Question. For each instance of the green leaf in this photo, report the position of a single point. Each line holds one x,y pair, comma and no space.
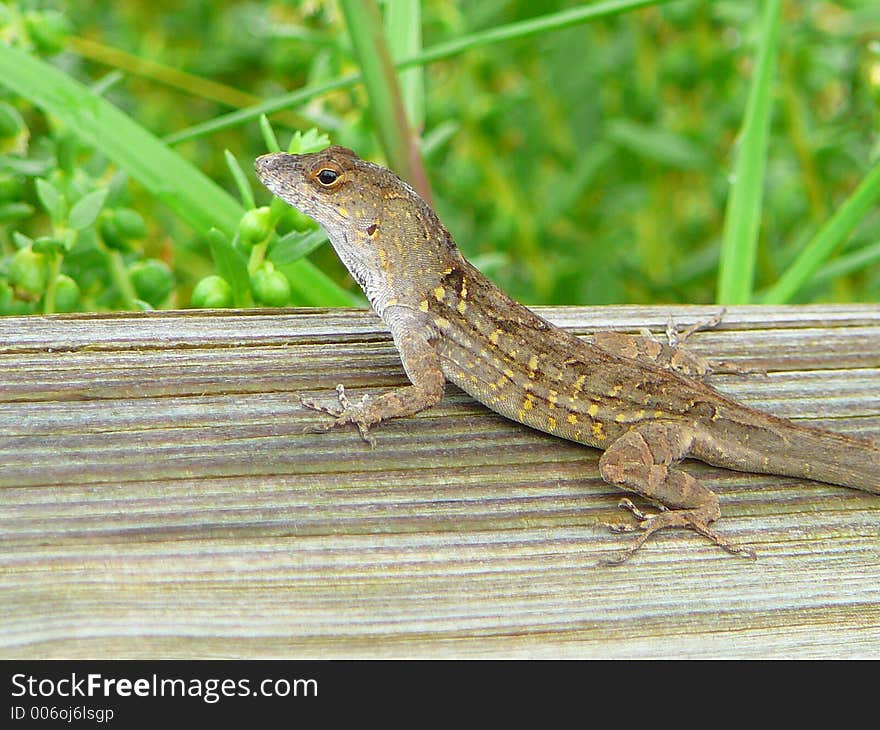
269,138
26,166
295,245
21,240
302,143
86,209
231,265
51,199
11,212
241,181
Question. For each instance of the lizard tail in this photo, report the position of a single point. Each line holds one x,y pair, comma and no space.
773,445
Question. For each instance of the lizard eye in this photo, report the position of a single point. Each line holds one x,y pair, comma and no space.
327,177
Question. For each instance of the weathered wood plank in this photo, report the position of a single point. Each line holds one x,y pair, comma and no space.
158,498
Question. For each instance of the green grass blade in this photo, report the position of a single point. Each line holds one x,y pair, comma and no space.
512,31
185,189
403,31
386,103
830,236
270,106
742,219
849,263
182,187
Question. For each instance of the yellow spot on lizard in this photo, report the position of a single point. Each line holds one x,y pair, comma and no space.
572,418
598,431
423,305
551,423
439,293
527,405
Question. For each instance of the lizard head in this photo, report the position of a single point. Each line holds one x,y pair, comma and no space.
337,188
375,221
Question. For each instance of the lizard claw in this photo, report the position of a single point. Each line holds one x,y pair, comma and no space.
648,524
346,412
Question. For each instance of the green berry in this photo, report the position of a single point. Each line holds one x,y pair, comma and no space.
270,287
28,273
255,226
109,231
153,280
212,292
129,223
48,30
66,294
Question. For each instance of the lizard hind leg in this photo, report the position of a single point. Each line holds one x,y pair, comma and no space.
644,461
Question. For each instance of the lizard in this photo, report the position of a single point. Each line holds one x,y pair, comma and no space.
449,322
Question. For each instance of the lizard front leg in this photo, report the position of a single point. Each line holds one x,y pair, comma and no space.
644,461
413,338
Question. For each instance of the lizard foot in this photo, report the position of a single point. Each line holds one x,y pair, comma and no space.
695,365
346,412
648,524
671,354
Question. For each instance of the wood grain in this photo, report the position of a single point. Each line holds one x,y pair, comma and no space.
159,499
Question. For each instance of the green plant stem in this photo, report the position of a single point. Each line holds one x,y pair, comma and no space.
172,77
521,29
120,277
742,219
51,284
258,254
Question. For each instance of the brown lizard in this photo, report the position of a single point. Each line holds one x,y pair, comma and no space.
449,322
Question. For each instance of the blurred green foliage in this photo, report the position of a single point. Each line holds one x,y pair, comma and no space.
585,165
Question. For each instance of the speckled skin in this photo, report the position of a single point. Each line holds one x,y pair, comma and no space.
449,322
